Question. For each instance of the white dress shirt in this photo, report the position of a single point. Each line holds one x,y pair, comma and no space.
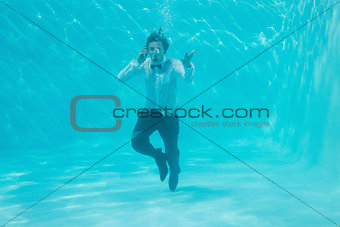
161,84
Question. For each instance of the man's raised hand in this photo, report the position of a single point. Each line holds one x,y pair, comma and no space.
187,59
142,55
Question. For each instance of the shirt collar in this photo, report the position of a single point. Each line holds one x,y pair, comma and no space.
162,62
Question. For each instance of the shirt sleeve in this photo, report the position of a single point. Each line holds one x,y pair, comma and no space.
187,74
131,70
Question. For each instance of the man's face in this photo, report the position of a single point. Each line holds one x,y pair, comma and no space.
156,52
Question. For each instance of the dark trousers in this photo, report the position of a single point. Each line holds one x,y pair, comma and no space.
168,129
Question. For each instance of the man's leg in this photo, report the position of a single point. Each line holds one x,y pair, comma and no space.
141,136
169,130
141,143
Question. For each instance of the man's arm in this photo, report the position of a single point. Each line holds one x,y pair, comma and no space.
185,67
135,67
131,70
186,73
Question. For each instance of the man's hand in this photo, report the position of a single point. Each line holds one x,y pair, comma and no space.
142,55
187,59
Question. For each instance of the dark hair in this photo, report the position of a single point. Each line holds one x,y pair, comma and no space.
158,37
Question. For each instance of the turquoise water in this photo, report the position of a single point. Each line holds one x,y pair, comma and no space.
297,80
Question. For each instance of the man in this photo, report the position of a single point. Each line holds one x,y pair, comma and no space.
161,74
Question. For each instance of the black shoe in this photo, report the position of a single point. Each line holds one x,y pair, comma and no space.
173,180
161,163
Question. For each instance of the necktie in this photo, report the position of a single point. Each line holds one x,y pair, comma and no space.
153,66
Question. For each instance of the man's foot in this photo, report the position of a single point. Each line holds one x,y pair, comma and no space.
173,180
161,163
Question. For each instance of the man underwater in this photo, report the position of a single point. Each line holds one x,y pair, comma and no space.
161,74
